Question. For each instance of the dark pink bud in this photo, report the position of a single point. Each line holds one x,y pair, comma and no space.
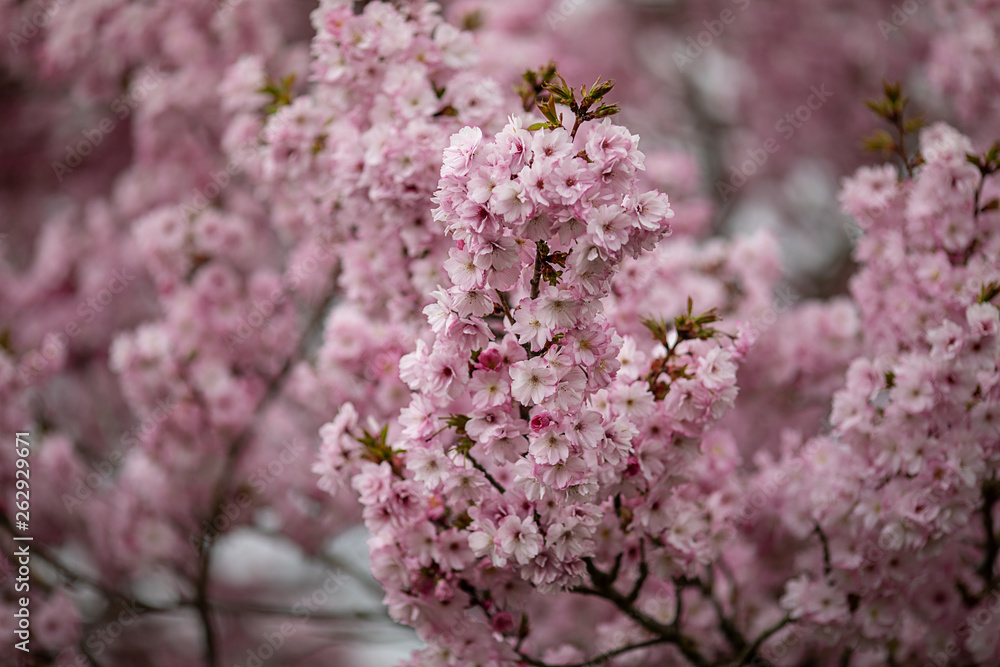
632,469
443,591
503,623
490,359
540,421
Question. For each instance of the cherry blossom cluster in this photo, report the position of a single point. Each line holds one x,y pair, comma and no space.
539,445
355,158
225,222
899,499
157,329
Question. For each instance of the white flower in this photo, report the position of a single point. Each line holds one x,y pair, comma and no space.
517,538
532,380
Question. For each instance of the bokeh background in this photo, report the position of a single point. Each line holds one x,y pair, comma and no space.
147,214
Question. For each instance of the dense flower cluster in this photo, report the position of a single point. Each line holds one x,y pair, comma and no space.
903,489
533,423
354,160
224,223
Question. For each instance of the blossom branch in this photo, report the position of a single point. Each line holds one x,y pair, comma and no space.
668,633
233,454
991,546
536,276
598,659
751,652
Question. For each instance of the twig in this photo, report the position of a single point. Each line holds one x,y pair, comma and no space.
536,277
598,659
668,633
826,548
504,306
478,466
633,595
991,547
751,651
236,448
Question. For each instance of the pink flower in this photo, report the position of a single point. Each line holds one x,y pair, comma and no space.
914,388
517,539
453,550
608,226
983,319
586,429
489,388
537,183
551,145
429,466
489,359
529,328
462,269
374,483
572,180
511,201
716,369
557,309
651,209
474,302
532,381
483,542
464,146
817,601
541,421
550,447
514,144
487,425
608,143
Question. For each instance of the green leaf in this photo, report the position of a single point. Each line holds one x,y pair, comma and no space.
457,422
658,327
606,110
989,292
880,141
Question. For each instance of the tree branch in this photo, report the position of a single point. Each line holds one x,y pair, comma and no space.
598,659
233,454
668,633
751,651
479,466
536,277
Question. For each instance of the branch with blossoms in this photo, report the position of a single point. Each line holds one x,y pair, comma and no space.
523,437
904,485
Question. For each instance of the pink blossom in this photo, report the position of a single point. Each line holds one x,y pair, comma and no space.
532,381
